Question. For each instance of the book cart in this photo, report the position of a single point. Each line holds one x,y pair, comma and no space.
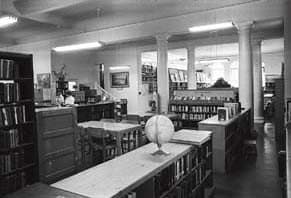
18,149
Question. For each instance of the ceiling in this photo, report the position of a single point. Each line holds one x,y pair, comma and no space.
50,18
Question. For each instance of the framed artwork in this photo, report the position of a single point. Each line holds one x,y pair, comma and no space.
119,79
181,75
44,80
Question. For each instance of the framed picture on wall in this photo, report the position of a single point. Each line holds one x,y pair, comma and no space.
119,79
44,80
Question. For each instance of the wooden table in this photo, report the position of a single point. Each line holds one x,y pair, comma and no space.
116,129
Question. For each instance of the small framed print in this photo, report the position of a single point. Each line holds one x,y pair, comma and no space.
119,79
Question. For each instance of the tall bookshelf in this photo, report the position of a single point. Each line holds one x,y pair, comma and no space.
18,149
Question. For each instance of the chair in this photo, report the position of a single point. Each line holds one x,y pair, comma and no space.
103,146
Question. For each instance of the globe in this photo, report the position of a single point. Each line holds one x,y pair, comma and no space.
159,129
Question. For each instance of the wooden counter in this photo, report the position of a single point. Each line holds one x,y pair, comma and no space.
117,177
56,142
228,137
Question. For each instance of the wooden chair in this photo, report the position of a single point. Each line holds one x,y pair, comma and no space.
103,147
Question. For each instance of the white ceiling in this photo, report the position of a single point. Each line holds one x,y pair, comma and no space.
47,18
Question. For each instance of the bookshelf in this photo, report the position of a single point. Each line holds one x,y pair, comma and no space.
193,106
149,76
228,138
182,172
18,149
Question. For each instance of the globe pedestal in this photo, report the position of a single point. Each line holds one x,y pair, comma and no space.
160,151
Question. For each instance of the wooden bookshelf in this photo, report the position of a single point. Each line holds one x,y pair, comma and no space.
18,148
228,137
140,174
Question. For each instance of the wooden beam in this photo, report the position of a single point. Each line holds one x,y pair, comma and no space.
31,7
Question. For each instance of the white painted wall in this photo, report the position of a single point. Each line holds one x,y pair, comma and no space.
80,65
122,57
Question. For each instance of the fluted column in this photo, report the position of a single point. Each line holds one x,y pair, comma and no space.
162,71
258,82
191,67
245,66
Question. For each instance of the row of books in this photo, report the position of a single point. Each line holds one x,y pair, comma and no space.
11,161
9,92
195,116
205,98
7,68
12,182
9,138
194,108
12,115
148,69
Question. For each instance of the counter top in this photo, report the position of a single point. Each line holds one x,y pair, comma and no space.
51,109
93,104
192,137
214,119
120,175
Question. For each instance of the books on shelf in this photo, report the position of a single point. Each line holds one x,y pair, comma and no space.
9,138
10,162
12,115
233,108
9,92
6,68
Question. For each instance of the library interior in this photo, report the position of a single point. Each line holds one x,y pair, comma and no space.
145,99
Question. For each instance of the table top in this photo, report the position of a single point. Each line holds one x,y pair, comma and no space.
214,119
193,137
110,126
122,174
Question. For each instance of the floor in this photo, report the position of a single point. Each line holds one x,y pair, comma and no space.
253,178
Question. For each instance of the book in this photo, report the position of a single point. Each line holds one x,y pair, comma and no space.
222,113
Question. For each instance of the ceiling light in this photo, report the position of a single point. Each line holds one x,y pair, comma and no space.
82,46
219,60
7,20
211,27
119,68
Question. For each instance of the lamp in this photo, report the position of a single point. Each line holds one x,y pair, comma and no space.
7,20
77,47
210,27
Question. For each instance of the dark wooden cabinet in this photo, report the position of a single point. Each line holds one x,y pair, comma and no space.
18,148
57,142
95,111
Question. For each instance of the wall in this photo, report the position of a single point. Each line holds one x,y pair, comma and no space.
80,65
273,62
122,56
41,55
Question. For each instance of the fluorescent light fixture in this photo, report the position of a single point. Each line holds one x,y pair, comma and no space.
82,46
211,27
219,60
7,20
119,68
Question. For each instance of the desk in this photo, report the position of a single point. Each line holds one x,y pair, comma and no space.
116,129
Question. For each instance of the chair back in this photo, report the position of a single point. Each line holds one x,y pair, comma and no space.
96,135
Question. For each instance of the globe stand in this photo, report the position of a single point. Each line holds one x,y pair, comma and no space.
160,151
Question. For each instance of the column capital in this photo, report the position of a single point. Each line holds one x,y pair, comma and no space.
190,48
162,37
244,25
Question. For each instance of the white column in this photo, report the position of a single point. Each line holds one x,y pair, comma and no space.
191,68
162,71
245,66
258,82
287,50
